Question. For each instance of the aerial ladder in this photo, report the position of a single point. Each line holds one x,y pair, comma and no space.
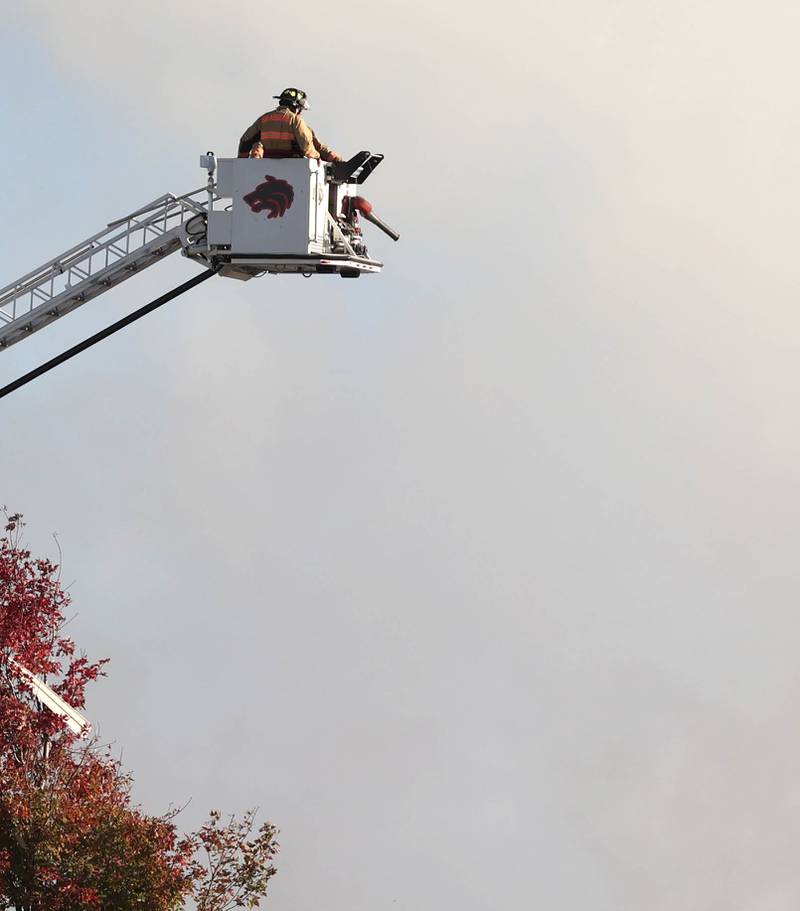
253,217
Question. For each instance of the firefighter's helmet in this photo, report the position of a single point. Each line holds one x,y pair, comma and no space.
296,99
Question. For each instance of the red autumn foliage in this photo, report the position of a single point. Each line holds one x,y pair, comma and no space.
71,838
32,605
233,868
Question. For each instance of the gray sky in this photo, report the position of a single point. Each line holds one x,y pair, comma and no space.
478,577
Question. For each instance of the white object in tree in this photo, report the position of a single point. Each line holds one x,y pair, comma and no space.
75,721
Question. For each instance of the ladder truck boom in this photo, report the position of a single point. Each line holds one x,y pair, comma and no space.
123,248
253,217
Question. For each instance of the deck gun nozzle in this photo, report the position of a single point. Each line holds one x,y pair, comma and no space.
364,207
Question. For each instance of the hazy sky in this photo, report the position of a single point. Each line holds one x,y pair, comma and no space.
480,577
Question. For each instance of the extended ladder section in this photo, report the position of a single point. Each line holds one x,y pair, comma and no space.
106,259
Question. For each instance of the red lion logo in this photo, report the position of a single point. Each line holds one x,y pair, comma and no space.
274,195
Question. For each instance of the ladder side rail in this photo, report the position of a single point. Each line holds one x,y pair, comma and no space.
51,265
94,285
81,260
81,249
60,262
156,204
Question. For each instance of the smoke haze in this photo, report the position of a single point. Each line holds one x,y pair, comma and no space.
480,576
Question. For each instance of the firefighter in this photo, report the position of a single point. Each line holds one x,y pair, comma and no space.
284,134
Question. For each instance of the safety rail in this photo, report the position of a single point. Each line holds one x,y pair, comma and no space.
123,248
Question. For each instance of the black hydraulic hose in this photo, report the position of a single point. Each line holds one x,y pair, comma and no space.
104,333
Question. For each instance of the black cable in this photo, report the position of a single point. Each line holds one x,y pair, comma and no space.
104,333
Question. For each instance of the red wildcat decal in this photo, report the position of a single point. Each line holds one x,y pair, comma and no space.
274,196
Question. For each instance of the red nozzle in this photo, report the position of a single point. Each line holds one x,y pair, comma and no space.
364,207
